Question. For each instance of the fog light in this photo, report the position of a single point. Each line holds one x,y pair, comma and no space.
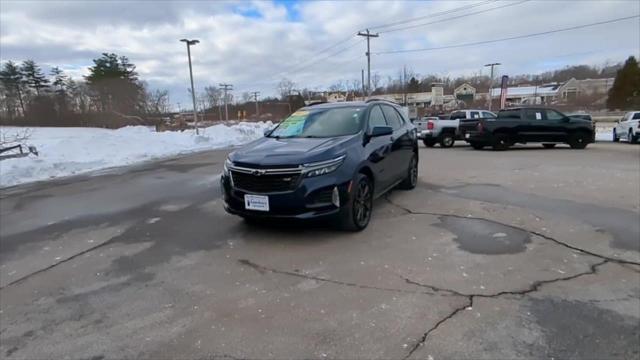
335,197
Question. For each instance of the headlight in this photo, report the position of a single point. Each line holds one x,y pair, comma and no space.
227,165
323,167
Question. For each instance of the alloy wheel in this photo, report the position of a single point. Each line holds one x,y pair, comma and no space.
362,204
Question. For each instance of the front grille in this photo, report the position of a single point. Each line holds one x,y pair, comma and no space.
264,183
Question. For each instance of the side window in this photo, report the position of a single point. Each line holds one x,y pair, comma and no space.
376,118
554,115
533,115
487,114
636,116
457,115
475,114
392,116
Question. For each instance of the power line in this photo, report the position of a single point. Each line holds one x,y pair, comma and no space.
455,17
400,22
508,38
305,66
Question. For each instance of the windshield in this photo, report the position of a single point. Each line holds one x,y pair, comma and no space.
320,123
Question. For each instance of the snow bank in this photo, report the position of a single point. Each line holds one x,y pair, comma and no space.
604,135
70,151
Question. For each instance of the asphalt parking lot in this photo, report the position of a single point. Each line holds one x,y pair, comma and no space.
527,253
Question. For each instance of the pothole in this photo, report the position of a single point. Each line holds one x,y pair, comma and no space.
485,237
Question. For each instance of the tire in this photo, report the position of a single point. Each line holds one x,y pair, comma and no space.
500,142
477,146
429,143
615,136
549,146
411,180
447,140
631,139
356,215
578,140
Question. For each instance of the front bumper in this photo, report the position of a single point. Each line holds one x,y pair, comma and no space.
299,203
477,137
426,134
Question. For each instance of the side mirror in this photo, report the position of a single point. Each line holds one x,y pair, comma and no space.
381,131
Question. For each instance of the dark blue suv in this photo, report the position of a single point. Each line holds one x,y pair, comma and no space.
324,160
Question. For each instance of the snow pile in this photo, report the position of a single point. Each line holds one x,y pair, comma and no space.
604,135
69,151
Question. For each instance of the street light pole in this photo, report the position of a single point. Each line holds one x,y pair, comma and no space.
491,82
193,92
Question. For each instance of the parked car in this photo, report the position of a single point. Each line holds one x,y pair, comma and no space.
445,130
327,160
628,128
527,125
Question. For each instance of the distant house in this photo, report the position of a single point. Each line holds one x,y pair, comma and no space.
337,96
554,92
465,92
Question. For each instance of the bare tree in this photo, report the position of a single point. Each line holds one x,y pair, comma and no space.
213,96
157,101
338,86
375,82
246,97
15,136
285,87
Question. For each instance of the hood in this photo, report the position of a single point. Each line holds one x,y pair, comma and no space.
291,151
580,120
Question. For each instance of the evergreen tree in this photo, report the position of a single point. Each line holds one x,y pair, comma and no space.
13,82
625,92
59,78
34,76
114,82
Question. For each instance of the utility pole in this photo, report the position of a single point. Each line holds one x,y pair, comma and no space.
404,84
363,91
491,82
193,92
368,36
225,88
255,98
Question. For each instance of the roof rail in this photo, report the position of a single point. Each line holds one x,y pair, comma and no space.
317,103
377,99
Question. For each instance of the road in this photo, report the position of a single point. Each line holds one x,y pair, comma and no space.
525,253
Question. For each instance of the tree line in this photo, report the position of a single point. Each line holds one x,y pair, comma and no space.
111,93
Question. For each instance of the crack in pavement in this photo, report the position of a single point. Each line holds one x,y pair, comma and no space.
264,269
535,286
544,236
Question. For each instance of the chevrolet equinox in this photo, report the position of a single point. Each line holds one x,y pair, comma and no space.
325,160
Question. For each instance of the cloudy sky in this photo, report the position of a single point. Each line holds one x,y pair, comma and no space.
255,44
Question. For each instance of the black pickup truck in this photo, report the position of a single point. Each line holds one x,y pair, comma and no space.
527,125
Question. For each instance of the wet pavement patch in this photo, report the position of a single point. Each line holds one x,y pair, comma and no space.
580,330
622,225
485,237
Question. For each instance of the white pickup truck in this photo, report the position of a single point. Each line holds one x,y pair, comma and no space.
628,128
432,130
